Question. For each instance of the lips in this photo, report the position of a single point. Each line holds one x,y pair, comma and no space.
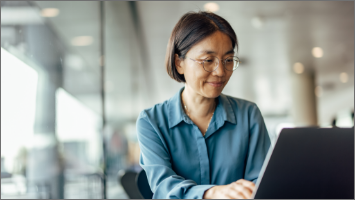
216,84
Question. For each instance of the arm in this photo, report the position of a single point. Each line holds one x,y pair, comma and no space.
259,143
155,160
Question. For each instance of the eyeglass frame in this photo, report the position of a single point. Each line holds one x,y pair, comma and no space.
223,63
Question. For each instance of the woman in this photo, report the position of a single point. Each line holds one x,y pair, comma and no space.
201,143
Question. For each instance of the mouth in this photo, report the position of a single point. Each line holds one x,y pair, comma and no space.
216,84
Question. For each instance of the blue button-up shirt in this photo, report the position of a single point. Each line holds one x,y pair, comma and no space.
182,163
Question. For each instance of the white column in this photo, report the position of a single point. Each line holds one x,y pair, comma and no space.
304,107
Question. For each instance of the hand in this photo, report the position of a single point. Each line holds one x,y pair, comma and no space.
241,189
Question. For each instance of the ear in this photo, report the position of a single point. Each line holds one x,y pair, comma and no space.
178,63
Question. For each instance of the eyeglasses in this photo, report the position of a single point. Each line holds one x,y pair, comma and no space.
210,64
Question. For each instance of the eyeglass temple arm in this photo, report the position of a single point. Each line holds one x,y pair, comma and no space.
224,61
197,61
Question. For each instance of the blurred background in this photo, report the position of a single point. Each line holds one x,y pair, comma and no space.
75,75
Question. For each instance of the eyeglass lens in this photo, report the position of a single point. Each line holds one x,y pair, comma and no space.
211,63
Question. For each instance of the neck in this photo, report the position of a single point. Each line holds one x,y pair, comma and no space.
197,105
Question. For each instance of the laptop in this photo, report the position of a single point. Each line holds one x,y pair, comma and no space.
310,163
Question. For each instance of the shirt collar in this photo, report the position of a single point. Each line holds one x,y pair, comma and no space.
224,110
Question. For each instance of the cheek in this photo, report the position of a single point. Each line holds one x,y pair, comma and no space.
196,77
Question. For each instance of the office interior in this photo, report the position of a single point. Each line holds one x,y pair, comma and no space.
76,74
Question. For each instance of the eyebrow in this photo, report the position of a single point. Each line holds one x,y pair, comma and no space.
212,52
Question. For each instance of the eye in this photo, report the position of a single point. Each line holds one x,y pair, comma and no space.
208,60
229,60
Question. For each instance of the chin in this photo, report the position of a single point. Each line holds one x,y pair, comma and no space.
215,93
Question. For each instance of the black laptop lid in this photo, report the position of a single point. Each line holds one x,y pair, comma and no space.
309,163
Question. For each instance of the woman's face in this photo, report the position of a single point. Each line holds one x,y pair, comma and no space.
207,84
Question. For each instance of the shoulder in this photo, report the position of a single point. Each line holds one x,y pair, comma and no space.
246,111
155,116
240,104
152,123
158,110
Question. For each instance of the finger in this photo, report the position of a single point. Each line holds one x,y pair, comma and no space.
247,184
225,197
233,191
229,194
233,194
245,191
241,184
239,188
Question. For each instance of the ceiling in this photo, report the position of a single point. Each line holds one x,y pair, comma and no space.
290,30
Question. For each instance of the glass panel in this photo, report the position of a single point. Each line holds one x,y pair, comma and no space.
123,62
51,100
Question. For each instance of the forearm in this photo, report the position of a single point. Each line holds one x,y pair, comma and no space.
208,194
173,188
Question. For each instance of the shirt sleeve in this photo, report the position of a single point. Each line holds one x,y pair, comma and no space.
259,144
155,160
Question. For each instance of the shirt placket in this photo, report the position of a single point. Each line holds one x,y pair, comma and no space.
203,156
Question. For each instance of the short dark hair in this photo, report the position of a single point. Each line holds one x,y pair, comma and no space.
190,29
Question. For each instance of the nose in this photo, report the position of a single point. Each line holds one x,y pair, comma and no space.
220,71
